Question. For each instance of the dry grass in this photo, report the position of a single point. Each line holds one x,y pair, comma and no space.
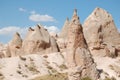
86,78
57,76
63,66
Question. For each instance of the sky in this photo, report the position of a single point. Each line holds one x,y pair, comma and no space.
19,15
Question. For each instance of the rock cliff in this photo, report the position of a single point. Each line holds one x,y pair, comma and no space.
38,40
101,33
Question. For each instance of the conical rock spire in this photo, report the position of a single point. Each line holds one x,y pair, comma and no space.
100,32
64,31
79,59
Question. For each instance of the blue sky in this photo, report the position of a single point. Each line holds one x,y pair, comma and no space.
18,15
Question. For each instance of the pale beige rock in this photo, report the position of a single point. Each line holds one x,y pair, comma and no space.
15,45
100,31
1,51
62,37
62,44
4,51
54,46
28,67
78,54
54,35
64,31
38,40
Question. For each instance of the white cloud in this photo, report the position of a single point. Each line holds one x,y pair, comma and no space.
38,17
52,29
11,30
22,10
32,12
7,33
41,18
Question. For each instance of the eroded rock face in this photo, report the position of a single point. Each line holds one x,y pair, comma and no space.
64,31
15,45
78,55
62,37
38,40
100,32
1,50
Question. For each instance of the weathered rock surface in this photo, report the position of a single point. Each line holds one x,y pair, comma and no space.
4,51
15,45
62,37
78,55
31,66
62,44
1,50
74,58
64,31
109,67
101,33
38,40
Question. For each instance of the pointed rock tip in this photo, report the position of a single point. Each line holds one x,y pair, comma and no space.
67,19
30,29
100,10
17,34
37,27
75,12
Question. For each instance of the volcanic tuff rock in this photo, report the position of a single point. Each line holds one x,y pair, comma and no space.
101,33
62,37
64,31
15,45
74,58
4,51
79,58
38,40
28,67
1,50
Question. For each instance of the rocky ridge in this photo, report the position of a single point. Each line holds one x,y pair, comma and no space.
75,54
105,38
39,41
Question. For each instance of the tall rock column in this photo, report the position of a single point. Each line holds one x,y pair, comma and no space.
79,59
